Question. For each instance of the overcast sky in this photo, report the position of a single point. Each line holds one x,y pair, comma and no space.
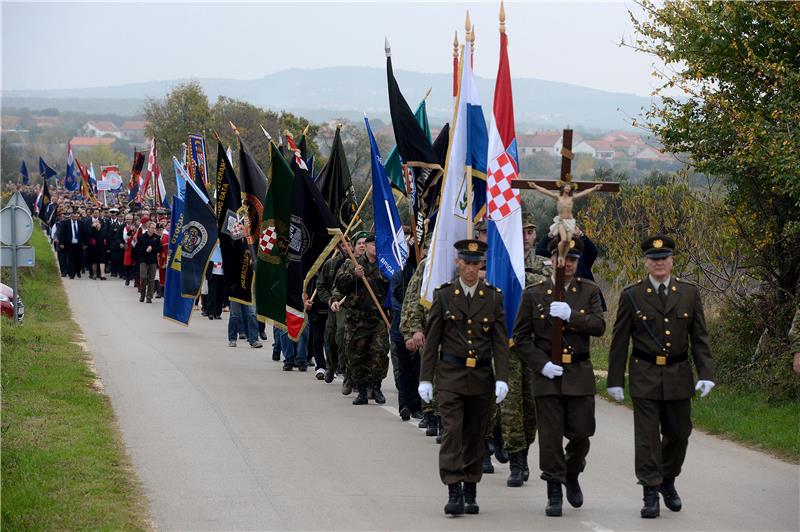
74,45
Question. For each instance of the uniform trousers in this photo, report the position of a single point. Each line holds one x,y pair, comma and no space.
661,431
559,417
465,419
367,344
316,338
518,411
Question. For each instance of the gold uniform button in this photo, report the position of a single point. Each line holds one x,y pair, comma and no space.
457,291
666,320
541,316
583,311
669,344
574,289
469,342
649,291
549,291
566,350
485,319
480,292
469,331
471,352
674,289
685,314
469,321
667,333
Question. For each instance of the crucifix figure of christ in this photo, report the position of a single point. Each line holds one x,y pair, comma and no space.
564,225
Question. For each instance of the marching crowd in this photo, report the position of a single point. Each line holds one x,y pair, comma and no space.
482,391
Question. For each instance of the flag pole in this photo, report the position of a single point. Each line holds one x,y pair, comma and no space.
355,216
411,212
470,37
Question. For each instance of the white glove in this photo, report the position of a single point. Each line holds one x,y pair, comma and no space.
551,371
617,393
425,391
559,309
500,391
704,387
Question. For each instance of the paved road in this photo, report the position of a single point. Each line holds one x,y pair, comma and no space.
223,439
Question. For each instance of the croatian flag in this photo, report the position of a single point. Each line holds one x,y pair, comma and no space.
506,260
468,132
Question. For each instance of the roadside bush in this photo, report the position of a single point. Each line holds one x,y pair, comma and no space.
749,344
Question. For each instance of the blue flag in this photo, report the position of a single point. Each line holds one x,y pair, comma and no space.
176,308
23,169
180,178
45,171
390,241
70,183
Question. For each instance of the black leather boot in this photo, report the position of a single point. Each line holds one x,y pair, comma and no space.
515,477
671,498
425,421
499,446
433,426
361,398
470,498
526,472
651,508
347,386
574,493
488,466
377,394
329,375
554,499
455,500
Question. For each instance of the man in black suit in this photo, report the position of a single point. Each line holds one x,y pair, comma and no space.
116,244
71,240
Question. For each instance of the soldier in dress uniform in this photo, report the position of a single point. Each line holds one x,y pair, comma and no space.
518,414
663,316
564,392
465,333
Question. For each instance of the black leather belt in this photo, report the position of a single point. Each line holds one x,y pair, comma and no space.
469,362
660,360
568,358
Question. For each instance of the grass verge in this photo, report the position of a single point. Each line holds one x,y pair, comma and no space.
63,464
744,417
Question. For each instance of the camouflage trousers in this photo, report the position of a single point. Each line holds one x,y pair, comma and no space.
518,411
335,354
367,346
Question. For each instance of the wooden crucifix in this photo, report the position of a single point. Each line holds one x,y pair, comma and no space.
564,225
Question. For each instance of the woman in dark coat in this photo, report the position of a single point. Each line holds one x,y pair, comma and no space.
96,248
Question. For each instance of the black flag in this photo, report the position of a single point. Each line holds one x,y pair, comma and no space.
237,266
336,185
199,239
254,190
312,231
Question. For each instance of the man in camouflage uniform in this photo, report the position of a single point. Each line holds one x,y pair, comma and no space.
334,328
518,413
413,317
340,318
366,337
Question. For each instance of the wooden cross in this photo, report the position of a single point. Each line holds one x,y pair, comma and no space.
559,355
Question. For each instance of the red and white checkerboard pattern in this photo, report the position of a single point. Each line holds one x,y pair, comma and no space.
268,239
502,200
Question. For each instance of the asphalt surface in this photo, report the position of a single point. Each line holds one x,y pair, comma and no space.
222,439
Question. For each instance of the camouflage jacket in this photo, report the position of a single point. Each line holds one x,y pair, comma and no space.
358,298
536,269
327,276
414,315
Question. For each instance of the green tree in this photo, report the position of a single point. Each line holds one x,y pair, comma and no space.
184,110
739,64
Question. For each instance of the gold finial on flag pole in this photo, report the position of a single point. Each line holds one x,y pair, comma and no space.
305,130
427,93
502,17
467,25
269,138
455,46
236,131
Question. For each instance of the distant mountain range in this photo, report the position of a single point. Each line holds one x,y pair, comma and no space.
347,92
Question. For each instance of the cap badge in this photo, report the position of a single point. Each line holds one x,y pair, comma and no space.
571,244
658,243
473,246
